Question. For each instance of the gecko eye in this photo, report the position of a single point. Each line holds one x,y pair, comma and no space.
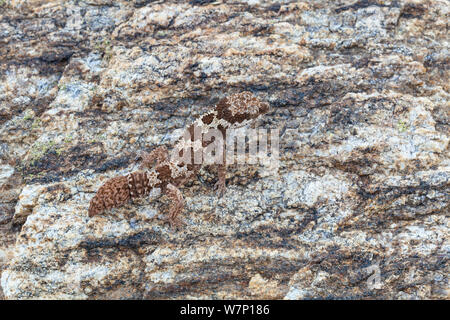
264,108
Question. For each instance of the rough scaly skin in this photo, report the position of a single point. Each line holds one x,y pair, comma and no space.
170,173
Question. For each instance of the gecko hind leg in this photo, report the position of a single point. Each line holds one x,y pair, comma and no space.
159,154
177,205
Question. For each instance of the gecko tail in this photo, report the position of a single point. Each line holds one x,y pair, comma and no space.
119,190
113,193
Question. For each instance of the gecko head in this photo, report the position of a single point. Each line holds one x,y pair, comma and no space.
241,108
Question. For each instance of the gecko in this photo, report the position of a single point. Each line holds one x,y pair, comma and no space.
164,174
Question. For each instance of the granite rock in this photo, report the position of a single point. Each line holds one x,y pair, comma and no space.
358,207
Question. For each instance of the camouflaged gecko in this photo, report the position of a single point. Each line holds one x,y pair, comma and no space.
168,175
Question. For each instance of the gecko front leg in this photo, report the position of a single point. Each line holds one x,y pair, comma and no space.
160,154
220,184
177,205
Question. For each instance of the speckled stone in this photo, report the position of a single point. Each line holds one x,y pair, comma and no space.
358,207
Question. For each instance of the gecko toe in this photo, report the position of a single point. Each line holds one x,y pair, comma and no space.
220,188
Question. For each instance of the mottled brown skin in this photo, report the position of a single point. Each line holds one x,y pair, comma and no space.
239,112
115,192
168,175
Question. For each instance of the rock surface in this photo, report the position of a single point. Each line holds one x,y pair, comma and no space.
359,207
